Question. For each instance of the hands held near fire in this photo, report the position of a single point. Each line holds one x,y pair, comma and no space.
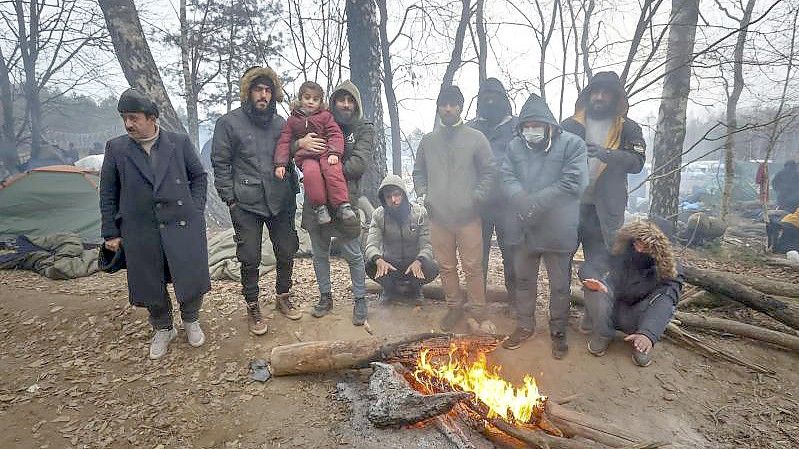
114,244
640,342
383,268
595,285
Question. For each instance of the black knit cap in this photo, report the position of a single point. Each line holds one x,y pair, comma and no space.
450,95
133,100
606,80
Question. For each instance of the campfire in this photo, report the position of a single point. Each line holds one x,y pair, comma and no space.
446,381
500,398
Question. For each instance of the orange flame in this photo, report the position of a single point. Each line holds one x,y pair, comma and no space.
500,396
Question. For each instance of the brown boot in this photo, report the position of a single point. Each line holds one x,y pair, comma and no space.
285,305
255,322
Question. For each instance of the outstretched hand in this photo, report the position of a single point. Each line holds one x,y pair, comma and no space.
415,268
595,285
114,244
640,342
383,268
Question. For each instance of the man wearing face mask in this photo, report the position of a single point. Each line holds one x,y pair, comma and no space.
616,148
496,122
544,174
454,172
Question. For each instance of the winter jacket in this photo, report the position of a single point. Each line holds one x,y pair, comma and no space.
299,125
242,153
625,154
390,240
786,184
359,141
158,210
545,184
455,171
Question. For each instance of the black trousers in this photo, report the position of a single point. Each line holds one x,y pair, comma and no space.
589,234
507,250
161,313
397,282
249,227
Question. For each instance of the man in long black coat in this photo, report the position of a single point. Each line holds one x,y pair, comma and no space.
152,198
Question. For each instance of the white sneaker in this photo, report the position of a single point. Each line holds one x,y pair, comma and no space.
160,342
194,333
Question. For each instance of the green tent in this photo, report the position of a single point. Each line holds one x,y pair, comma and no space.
50,200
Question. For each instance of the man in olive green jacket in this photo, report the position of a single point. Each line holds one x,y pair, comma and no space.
454,173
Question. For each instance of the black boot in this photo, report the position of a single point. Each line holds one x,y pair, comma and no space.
324,305
559,346
359,310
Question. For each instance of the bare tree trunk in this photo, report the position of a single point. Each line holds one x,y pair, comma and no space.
8,148
365,61
188,78
29,51
456,60
670,133
135,58
482,43
391,96
732,110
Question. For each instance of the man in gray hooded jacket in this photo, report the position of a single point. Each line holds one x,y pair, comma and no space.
544,173
399,255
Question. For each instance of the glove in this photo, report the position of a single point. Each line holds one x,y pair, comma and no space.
530,216
596,151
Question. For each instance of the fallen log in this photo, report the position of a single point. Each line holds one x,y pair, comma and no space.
395,403
737,328
725,285
324,356
771,286
677,335
578,424
540,439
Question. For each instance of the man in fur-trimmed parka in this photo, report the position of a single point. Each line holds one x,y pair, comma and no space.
639,293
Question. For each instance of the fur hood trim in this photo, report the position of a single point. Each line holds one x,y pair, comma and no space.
256,72
659,246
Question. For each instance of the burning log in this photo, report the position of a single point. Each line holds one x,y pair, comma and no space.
396,403
726,286
324,356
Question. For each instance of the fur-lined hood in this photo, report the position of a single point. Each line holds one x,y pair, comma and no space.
659,246
255,72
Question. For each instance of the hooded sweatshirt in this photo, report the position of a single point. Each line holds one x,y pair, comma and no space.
498,133
546,183
395,240
359,141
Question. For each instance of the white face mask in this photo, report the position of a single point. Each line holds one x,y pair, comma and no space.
534,135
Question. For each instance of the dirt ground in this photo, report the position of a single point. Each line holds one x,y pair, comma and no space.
75,373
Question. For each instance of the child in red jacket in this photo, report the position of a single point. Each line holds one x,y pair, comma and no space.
323,175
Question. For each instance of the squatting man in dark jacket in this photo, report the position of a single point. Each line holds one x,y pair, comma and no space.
398,250
544,173
152,198
637,295
242,152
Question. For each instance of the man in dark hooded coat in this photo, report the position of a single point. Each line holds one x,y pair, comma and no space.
544,174
152,200
616,148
